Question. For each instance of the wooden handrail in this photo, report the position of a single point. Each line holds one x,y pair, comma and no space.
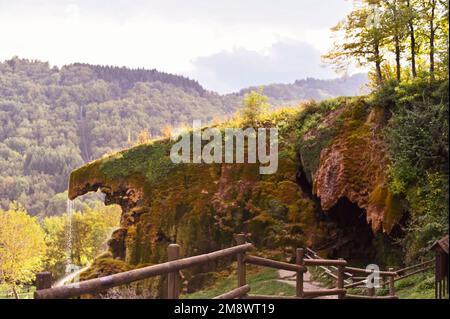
355,284
365,271
369,297
272,297
235,293
325,262
400,271
418,271
259,261
100,284
174,265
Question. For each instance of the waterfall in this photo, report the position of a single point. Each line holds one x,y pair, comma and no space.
72,271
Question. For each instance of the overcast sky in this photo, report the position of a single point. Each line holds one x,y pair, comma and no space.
224,44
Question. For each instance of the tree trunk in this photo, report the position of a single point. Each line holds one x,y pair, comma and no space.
16,295
413,50
413,44
378,64
432,35
397,58
397,41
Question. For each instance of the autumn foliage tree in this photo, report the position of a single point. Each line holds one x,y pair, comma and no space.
255,104
22,247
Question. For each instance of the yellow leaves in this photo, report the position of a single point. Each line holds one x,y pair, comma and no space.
89,229
255,105
143,137
22,246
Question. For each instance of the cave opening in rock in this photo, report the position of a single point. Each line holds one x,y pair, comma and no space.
302,180
353,236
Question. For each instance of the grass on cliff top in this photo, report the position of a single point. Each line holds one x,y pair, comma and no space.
261,281
151,160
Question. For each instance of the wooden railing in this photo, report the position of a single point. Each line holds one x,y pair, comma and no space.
358,277
384,276
170,268
174,265
329,271
353,281
415,269
345,277
300,267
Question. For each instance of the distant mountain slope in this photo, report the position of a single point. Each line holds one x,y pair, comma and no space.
126,78
314,89
55,119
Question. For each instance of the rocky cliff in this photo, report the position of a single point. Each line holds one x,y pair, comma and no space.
329,191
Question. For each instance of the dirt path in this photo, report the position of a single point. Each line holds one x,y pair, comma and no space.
288,277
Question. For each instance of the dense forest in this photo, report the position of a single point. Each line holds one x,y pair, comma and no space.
54,120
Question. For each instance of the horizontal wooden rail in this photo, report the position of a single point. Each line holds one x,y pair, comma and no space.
259,261
323,292
271,297
359,278
369,297
418,271
355,284
325,262
100,284
328,272
365,271
235,293
401,271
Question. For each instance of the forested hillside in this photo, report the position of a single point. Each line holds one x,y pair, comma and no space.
55,119
314,89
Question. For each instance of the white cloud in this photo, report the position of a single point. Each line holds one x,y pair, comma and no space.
285,61
170,35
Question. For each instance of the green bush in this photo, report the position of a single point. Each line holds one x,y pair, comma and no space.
417,136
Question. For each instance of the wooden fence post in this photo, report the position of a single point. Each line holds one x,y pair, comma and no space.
340,280
173,289
299,255
391,284
241,272
43,281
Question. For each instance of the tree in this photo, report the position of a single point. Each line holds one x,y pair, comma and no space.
255,103
56,240
411,14
22,247
88,231
430,11
363,39
395,19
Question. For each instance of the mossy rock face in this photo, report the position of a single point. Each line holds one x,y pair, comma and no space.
336,145
345,156
200,206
